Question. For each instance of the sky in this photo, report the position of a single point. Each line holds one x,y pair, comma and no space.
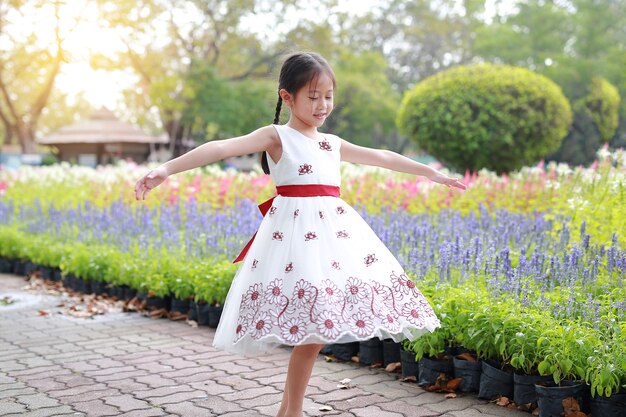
103,88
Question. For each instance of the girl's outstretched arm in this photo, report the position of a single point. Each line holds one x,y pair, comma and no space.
260,140
394,161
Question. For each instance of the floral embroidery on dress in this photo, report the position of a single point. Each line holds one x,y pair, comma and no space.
274,292
325,145
272,210
296,212
310,236
254,263
340,210
370,259
335,265
289,267
363,307
277,235
342,234
321,215
305,169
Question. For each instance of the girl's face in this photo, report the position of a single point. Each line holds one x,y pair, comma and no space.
313,103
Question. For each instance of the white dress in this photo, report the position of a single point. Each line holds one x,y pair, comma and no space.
316,272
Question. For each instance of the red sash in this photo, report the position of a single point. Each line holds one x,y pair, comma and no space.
296,190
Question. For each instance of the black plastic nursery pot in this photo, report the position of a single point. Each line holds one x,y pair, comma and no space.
203,314
6,266
370,351
613,406
524,387
430,368
129,293
46,272
410,367
56,275
68,280
344,351
98,287
193,311
550,397
141,295
30,267
391,351
84,286
215,313
19,267
180,306
469,372
155,303
495,382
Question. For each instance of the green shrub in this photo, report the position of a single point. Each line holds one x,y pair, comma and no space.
486,116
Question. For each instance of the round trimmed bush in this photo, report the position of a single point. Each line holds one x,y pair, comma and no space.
497,117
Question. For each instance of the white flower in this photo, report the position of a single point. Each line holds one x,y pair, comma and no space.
303,293
355,290
273,292
361,324
261,326
254,296
329,293
328,324
293,330
413,314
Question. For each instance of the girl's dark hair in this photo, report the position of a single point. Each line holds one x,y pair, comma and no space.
297,70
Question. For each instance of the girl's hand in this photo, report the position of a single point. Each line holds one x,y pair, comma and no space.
150,181
447,181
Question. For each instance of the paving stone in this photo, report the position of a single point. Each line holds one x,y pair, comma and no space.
155,381
187,409
249,393
44,412
9,406
8,392
38,400
96,408
374,411
218,405
125,402
163,391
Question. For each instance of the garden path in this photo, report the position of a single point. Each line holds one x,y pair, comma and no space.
127,364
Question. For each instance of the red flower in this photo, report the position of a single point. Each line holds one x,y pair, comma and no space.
325,146
305,169
343,234
370,259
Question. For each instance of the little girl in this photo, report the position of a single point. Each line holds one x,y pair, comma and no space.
315,272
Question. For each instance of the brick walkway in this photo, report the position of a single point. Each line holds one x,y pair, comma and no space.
126,364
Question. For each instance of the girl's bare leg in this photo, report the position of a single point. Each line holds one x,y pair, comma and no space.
300,368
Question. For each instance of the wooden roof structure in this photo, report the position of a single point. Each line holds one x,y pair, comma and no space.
101,127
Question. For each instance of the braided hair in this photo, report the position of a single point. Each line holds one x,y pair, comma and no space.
297,70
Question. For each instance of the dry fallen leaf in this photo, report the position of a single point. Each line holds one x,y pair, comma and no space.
355,359
503,401
43,312
412,378
450,395
326,408
192,323
466,357
376,364
394,367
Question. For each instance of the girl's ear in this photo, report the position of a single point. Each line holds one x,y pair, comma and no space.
287,98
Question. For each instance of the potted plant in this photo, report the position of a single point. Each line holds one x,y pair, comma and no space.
564,350
606,373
